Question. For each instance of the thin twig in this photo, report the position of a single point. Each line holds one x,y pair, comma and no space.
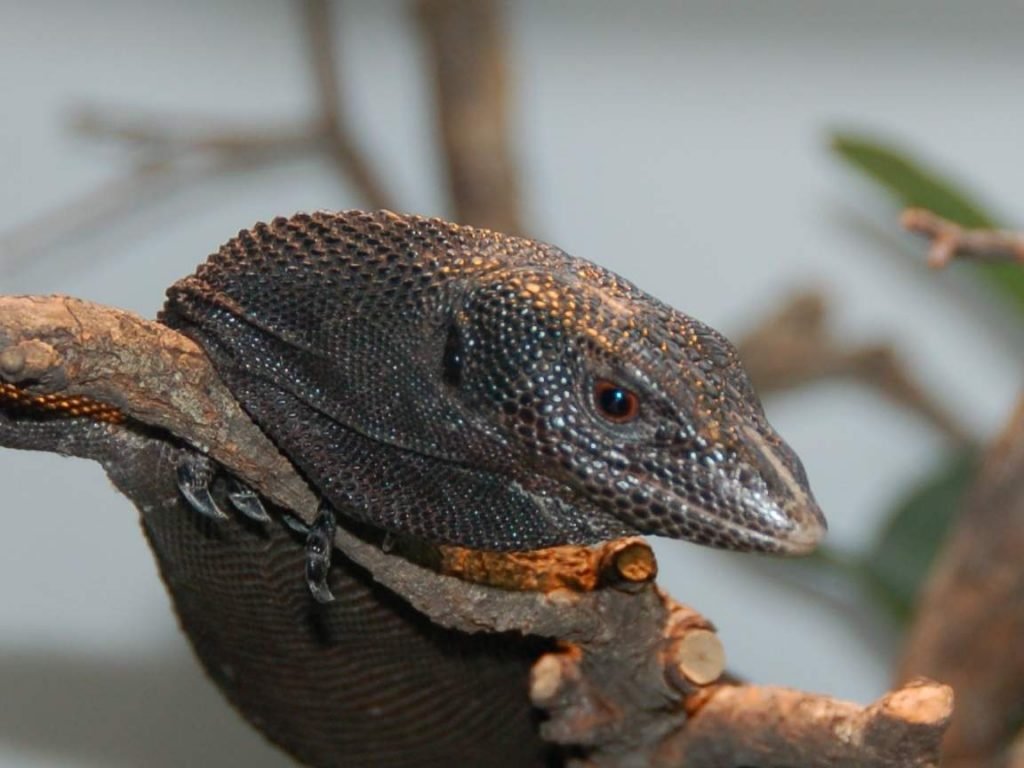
173,152
161,133
794,347
347,155
950,240
158,171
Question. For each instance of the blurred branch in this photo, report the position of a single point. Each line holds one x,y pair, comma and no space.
466,49
969,629
162,135
794,347
950,240
913,183
632,682
167,161
173,152
348,157
466,46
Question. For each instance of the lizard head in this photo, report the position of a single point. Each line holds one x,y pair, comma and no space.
629,406
490,391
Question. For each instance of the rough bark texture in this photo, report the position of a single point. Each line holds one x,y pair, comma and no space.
969,630
411,666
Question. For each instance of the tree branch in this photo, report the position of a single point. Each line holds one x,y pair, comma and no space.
950,240
970,621
750,725
794,346
633,681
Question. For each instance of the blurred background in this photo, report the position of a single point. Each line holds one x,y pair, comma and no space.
710,152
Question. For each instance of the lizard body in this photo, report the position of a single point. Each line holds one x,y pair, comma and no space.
491,392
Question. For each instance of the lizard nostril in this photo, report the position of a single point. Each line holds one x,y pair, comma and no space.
803,524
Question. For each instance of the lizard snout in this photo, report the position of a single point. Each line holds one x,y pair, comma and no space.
791,514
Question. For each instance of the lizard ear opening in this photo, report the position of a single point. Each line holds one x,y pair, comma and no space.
452,360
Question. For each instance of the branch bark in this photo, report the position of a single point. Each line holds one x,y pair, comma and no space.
970,622
632,680
950,240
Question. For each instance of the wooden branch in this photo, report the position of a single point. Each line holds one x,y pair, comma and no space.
794,347
950,240
632,682
466,48
60,345
748,725
969,628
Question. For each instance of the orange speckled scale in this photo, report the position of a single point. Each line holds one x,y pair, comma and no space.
14,397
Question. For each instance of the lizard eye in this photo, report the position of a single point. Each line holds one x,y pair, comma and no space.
614,402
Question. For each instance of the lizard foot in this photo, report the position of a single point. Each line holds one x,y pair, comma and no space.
319,545
246,500
195,475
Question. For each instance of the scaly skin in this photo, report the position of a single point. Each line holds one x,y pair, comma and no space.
444,382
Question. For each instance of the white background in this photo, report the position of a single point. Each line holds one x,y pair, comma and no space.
681,144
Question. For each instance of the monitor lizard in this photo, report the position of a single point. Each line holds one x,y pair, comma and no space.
440,382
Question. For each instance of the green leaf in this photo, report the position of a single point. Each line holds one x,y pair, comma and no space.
898,563
911,183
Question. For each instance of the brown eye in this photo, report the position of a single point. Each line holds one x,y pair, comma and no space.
615,403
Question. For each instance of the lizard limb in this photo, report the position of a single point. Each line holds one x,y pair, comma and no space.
319,546
195,473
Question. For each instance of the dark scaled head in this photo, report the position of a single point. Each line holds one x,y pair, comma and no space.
490,391
641,410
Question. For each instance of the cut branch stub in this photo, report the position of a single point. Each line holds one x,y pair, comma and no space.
697,656
629,561
577,568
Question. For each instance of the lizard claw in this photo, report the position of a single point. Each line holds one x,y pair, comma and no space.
296,524
195,473
319,546
246,501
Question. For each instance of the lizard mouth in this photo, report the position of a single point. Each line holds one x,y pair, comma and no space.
738,520
759,525
758,501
